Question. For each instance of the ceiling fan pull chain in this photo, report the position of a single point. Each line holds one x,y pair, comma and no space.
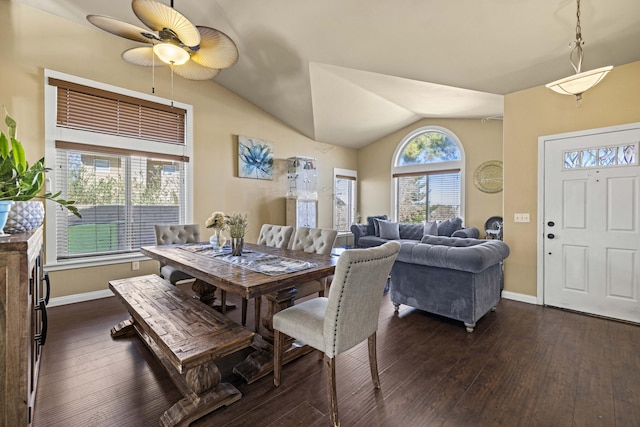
171,66
153,72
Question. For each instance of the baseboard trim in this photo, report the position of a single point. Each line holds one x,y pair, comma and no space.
529,299
71,299
88,296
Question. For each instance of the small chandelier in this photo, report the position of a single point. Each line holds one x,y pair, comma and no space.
581,81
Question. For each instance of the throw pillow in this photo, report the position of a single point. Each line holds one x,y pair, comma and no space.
371,227
431,228
389,230
443,228
456,224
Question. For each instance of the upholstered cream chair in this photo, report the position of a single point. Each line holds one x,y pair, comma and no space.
275,236
173,234
317,241
347,317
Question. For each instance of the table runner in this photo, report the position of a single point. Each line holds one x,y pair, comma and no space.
271,265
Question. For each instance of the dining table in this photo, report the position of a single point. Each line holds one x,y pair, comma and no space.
261,271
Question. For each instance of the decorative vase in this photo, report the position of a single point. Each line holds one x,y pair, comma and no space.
5,207
218,240
24,216
236,246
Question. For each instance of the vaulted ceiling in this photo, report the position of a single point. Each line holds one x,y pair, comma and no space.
348,72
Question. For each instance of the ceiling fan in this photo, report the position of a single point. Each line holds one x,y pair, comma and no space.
193,52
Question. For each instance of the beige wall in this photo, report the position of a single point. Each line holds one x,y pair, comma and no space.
536,112
32,41
482,141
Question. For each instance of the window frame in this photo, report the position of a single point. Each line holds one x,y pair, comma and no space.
337,172
55,133
427,167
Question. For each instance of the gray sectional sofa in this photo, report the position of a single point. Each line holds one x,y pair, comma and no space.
368,235
443,269
458,278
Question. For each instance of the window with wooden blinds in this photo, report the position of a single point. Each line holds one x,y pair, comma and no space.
125,158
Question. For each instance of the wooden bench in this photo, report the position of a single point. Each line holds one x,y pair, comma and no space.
187,337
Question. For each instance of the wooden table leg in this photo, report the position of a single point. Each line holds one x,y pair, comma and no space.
206,292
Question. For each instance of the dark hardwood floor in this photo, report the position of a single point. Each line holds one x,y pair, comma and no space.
524,365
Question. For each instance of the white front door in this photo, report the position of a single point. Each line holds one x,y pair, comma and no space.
591,222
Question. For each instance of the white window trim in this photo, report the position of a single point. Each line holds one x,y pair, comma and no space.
349,173
53,133
427,167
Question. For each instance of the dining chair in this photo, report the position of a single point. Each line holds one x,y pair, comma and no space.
347,317
317,241
173,234
274,236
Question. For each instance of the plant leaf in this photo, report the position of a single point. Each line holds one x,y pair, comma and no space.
11,124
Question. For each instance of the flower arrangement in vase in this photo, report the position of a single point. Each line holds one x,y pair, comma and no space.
237,224
217,222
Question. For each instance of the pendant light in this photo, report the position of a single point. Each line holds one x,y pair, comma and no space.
580,82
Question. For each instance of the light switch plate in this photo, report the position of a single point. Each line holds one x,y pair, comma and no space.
521,217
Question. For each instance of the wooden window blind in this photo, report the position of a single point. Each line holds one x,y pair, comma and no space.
96,110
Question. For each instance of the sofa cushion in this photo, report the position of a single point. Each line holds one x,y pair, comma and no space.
430,228
471,255
448,227
371,226
388,229
456,224
470,232
411,231
444,227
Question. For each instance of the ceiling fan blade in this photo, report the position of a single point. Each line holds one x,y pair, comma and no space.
159,17
122,29
193,71
141,56
217,50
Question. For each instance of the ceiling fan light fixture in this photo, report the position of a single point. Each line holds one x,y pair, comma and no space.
170,53
193,52
580,82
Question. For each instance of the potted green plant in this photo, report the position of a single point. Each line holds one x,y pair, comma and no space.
20,181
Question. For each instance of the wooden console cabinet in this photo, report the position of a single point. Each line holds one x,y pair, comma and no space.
23,324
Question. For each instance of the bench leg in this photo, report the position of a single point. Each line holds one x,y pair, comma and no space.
204,394
123,329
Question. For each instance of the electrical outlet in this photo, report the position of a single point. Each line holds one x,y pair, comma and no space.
521,217
135,265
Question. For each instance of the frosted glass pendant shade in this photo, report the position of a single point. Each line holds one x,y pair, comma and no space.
579,83
170,53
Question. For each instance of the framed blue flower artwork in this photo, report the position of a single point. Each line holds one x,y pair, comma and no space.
255,158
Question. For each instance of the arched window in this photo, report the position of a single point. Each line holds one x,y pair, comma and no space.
427,173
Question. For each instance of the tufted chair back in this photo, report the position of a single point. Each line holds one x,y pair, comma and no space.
170,235
275,236
314,240
177,233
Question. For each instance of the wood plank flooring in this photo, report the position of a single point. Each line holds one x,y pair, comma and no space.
524,365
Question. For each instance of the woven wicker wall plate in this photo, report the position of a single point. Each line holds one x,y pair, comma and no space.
488,177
